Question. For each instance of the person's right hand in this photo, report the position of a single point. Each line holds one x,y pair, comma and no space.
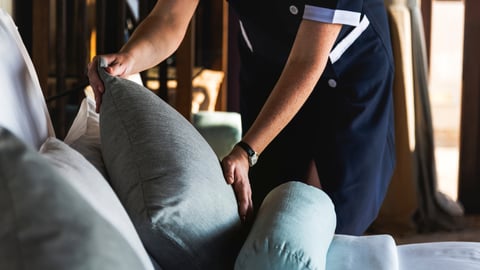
235,170
118,64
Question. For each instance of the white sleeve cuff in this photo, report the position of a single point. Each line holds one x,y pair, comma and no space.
331,15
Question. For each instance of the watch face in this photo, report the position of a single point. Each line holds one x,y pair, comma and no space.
253,159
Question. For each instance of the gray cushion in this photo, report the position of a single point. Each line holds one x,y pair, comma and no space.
168,178
46,224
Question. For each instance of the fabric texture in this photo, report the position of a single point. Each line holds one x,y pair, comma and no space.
94,188
371,252
84,134
293,230
345,126
424,207
439,256
22,107
168,178
436,210
47,222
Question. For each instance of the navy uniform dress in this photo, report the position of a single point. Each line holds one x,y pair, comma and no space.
346,125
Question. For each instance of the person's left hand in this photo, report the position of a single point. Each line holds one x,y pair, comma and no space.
235,170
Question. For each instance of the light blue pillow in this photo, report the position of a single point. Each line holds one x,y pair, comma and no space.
293,230
168,178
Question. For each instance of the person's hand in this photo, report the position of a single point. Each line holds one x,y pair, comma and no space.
235,169
118,64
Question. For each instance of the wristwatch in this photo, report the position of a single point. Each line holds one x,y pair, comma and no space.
252,155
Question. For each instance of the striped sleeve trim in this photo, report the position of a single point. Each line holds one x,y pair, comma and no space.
331,15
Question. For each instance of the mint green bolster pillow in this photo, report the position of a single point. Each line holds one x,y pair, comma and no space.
293,230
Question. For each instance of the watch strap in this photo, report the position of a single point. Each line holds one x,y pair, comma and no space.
247,148
252,155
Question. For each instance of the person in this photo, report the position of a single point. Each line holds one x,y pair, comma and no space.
316,97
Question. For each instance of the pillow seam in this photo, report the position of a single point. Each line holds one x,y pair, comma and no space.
113,97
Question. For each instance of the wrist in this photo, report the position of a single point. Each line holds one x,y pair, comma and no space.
252,155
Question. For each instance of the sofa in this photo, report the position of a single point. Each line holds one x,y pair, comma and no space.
138,186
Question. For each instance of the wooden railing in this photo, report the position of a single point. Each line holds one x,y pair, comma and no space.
62,51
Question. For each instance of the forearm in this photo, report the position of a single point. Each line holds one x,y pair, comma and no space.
304,67
159,34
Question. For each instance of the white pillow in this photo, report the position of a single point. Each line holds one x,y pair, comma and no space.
84,134
94,189
370,252
450,255
22,106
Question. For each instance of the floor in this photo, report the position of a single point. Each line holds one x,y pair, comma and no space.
471,232
445,96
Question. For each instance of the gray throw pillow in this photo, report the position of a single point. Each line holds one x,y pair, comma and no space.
168,178
46,224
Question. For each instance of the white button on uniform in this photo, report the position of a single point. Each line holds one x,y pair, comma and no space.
293,10
332,83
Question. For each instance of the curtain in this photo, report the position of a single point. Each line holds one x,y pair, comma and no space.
413,200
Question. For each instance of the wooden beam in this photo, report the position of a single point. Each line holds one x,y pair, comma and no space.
232,80
222,100
469,167
61,66
115,25
40,44
426,7
100,21
82,52
185,57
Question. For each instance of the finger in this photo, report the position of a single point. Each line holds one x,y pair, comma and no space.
243,194
116,65
228,170
250,208
98,103
95,82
